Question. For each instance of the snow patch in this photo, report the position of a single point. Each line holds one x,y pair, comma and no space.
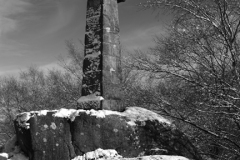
112,70
134,114
99,154
5,155
108,29
67,113
102,113
141,115
109,112
42,112
72,113
98,114
131,123
22,118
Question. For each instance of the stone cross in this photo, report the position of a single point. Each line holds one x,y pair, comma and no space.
102,61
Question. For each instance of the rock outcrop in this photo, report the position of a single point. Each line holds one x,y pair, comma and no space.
100,154
65,134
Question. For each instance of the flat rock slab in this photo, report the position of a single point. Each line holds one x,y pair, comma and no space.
64,134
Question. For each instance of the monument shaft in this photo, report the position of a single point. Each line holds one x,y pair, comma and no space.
101,66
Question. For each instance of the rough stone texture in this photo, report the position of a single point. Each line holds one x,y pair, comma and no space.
135,132
101,66
92,64
132,133
24,139
48,138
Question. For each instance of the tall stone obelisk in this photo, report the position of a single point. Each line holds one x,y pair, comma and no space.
102,61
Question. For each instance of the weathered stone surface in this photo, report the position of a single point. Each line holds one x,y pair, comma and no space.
24,138
46,138
132,133
101,66
92,64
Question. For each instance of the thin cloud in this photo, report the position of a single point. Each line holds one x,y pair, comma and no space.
60,19
51,66
12,71
9,8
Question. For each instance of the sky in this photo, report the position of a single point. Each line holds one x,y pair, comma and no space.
34,32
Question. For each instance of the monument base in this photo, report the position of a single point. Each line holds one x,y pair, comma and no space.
113,105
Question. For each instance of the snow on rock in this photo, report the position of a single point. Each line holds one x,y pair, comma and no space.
101,113
88,98
110,154
67,113
42,112
72,113
3,155
108,29
22,118
99,154
134,113
142,114
98,114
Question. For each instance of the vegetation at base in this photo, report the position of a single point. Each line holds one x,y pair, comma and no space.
36,90
197,64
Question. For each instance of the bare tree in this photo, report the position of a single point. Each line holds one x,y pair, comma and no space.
200,59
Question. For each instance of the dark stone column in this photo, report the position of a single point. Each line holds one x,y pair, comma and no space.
92,64
102,62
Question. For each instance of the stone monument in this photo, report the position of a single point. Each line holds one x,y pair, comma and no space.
102,61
